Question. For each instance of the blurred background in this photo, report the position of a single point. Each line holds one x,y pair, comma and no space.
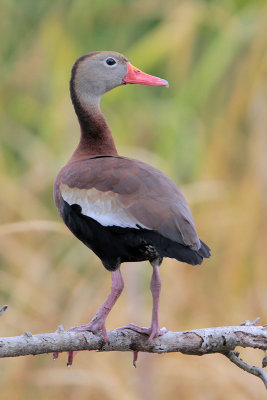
207,132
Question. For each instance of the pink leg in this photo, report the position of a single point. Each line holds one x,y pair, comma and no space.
155,287
98,321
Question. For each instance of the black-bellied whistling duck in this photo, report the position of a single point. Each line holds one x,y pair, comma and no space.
121,208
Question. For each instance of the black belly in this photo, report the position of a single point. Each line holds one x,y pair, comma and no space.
115,245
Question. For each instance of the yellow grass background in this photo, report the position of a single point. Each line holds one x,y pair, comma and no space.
207,132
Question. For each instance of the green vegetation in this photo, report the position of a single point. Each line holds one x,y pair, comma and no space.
208,132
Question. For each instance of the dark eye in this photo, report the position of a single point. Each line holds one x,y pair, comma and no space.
110,61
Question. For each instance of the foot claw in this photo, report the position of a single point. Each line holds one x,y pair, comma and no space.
152,331
71,356
135,356
94,327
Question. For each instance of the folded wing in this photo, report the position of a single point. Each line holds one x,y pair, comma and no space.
117,191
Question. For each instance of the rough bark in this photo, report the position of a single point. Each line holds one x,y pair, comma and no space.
195,342
198,342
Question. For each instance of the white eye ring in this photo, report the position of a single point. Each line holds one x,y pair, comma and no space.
111,62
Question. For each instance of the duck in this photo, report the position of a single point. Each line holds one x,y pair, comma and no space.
122,209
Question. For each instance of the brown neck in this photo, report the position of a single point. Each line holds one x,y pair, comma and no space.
96,137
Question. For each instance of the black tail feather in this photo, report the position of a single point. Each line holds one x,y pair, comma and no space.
179,252
204,250
183,253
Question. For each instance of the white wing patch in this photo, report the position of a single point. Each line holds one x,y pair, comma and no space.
103,207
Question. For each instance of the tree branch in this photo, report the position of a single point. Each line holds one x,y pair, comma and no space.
259,372
196,342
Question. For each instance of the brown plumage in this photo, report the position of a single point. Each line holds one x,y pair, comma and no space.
142,191
122,209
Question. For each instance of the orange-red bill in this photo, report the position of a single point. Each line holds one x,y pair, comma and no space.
134,75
